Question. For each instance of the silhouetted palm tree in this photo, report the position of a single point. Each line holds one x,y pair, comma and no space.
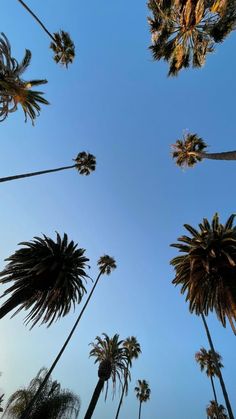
85,163
206,360
133,350
112,359
62,45
54,403
106,266
142,393
47,278
215,411
14,90
190,150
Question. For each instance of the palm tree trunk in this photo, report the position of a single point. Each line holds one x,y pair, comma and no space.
94,399
227,402
42,172
139,412
37,19
226,155
122,396
214,390
37,394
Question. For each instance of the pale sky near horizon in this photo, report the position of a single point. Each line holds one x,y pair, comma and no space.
116,103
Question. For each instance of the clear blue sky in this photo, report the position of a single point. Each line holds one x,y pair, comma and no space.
119,105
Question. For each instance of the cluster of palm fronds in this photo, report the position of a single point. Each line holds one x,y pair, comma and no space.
185,31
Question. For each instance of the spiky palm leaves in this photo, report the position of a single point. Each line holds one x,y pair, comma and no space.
184,31
47,278
54,402
143,393
215,411
14,90
206,271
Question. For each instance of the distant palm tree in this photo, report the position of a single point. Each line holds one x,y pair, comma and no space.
215,411
133,350
206,360
14,90
184,32
62,45
112,359
54,403
106,265
190,150
85,163
142,393
47,278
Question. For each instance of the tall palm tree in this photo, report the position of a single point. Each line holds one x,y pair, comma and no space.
112,359
14,90
106,265
206,360
142,393
191,149
62,45
185,31
54,403
206,272
46,277
215,411
85,163
133,350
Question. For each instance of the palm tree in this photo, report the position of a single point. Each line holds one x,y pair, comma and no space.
54,403
190,150
185,31
216,411
14,90
47,278
206,360
106,265
133,350
62,45
112,359
85,163
142,393
206,272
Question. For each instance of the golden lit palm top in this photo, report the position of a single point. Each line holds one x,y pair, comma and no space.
207,362
63,48
187,152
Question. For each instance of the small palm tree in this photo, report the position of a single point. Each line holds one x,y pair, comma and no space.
54,403
106,265
206,360
112,359
133,350
62,45
85,163
142,393
215,411
191,150
14,90
46,277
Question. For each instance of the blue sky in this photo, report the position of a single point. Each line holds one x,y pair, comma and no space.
119,105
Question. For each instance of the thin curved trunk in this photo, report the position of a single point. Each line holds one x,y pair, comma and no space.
214,392
37,394
42,172
37,19
226,155
122,396
227,402
139,413
94,399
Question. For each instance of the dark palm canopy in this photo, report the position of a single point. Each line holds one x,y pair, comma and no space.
216,411
187,152
63,48
185,31
106,264
206,360
143,391
85,163
206,271
54,402
47,278
13,90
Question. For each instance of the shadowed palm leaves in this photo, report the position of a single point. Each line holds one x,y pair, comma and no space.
13,90
142,393
112,359
62,45
47,278
190,150
184,31
54,403
85,163
215,411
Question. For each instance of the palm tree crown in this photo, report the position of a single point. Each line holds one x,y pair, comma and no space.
143,391
207,362
206,271
216,411
13,90
187,152
85,163
63,48
106,264
47,278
